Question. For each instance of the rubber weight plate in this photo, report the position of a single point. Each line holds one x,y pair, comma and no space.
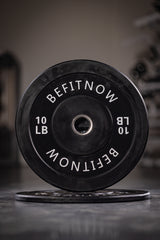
82,125
102,196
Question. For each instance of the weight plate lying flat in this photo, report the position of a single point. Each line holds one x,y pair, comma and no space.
103,196
82,125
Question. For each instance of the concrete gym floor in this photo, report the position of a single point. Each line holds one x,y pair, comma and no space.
125,220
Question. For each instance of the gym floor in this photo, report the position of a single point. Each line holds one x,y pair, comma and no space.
125,220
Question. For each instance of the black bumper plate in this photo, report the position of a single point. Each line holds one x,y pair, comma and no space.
102,196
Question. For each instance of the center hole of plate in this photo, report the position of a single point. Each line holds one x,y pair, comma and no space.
82,124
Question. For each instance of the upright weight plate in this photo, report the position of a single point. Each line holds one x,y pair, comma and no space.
82,125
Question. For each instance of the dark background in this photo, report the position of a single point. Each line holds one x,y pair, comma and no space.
37,34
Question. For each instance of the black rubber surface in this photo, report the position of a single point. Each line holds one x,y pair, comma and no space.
103,196
93,161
